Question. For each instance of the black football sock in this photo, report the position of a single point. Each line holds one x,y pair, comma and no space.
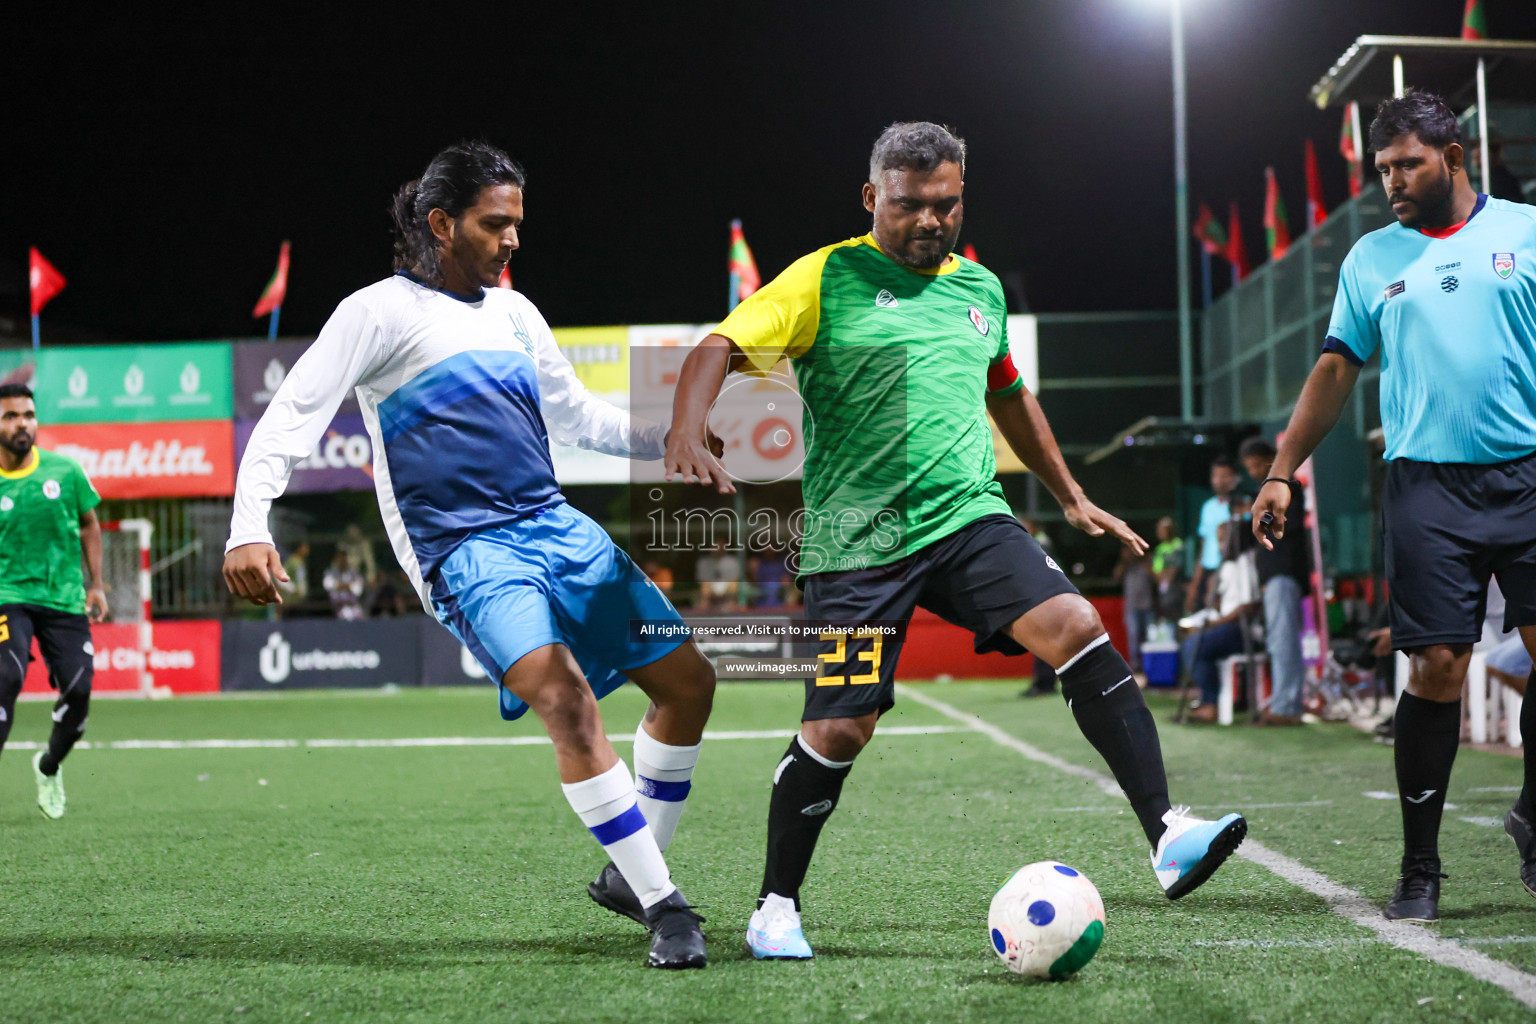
1528,737
69,715
1425,738
805,792
1107,704
9,690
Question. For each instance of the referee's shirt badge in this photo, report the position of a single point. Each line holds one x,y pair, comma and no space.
1504,264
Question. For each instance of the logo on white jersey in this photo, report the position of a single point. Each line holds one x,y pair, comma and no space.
885,300
520,332
979,322
1504,264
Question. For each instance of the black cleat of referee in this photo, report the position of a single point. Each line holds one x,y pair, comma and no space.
1417,896
677,943
1517,825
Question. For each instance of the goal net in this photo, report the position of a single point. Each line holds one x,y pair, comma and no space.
125,575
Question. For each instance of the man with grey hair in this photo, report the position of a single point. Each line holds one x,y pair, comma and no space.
901,351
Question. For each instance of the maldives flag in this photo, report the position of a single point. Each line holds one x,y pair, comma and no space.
743,267
46,281
1347,147
1277,233
277,288
1208,230
1316,211
1474,23
1237,253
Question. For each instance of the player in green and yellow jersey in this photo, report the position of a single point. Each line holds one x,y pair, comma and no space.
900,349
47,521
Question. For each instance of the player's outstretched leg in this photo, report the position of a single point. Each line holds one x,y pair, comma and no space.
599,789
1427,731
681,686
65,644
806,786
1101,691
1520,823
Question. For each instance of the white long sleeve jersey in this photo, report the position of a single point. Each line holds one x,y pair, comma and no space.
460,397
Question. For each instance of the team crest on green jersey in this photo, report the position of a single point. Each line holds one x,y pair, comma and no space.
1504,264
979,321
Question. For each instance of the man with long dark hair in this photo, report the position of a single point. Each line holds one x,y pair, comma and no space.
901,351
1448,294
47,523
462,386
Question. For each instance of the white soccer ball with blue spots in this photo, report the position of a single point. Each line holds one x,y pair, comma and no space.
1047,921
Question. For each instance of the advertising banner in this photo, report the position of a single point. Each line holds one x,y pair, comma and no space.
134,383
150,460
312,654
185,657
342,461
446,662
260,367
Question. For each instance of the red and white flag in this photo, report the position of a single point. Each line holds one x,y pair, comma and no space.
46,281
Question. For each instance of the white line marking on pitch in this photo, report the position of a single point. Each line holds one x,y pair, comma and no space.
1341,900
445,741
1470,940
1118,808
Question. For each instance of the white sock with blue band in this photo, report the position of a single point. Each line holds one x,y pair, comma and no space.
606,805
663,776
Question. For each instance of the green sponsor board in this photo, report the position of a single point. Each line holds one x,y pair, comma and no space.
134,383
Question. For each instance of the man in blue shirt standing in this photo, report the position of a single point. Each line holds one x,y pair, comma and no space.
1449,296
1216,510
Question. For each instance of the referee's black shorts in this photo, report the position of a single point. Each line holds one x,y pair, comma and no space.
980,578
1449,526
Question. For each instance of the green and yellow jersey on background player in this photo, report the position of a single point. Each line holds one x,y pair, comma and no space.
893,367
40,508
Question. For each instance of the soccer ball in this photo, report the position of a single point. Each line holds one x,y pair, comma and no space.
1046,921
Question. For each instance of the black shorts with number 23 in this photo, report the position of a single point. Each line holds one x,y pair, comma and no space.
980,578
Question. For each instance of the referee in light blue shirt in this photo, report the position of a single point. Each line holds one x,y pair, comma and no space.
1448,294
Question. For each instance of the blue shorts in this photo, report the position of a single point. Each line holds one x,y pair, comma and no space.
554,578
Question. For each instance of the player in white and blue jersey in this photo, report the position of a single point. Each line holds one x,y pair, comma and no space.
1448,295
462,387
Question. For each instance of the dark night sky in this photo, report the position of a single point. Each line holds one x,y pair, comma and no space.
161,160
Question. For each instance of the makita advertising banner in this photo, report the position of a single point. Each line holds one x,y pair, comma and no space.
194,459
342,461
260,367
313,654
183,657
133,383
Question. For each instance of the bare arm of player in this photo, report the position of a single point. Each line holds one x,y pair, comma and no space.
689,454
1322,398
90,546
1024,427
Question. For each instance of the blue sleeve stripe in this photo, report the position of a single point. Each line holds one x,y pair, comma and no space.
1335,345
670,792
622,827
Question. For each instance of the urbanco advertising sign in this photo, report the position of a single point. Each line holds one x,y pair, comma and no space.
133,383
193,459
312,654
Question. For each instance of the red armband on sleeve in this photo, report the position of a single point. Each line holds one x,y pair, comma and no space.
1003,376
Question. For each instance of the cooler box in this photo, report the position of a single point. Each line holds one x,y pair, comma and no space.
1160,662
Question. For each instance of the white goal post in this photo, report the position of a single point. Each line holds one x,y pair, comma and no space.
125,555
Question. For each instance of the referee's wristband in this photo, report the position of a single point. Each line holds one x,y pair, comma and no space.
1290,485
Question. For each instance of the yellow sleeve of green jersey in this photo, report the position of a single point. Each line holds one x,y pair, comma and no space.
780,318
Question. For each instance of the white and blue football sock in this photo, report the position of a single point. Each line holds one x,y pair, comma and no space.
663,777
606,805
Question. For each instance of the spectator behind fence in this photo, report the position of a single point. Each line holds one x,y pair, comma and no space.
1215,512
359,551
1284,574
719,576
1140,589
296,591
1237,596
344,585
1168,569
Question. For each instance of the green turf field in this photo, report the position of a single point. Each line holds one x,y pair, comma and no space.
385,883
